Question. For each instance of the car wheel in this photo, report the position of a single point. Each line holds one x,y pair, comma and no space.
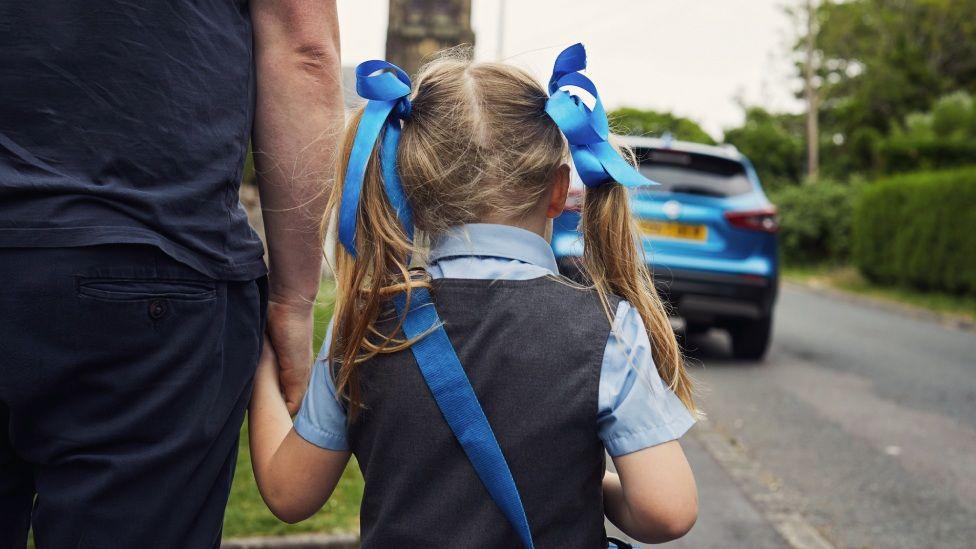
750,339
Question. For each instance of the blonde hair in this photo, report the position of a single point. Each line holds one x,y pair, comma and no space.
478,146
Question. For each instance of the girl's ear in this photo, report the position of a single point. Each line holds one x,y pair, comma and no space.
559,186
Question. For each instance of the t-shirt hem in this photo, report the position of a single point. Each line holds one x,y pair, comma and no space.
72,237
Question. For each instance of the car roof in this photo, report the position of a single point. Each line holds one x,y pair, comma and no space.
728,152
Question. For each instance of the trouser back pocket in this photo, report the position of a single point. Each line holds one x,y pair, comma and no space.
121,289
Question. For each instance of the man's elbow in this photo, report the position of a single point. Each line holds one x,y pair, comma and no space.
318,58
297,36
301,57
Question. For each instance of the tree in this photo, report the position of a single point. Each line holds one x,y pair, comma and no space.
630,121
879,60
810,93
774,143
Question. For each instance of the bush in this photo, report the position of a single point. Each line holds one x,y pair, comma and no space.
943,138
918,230
775,145
907,154
630,121
815,221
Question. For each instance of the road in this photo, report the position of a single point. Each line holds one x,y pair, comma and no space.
859,430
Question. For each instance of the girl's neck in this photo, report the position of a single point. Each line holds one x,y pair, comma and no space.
536,222
541,227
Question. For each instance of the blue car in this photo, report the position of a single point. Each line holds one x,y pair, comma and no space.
709,234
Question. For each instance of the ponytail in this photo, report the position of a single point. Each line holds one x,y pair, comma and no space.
614,261
365,283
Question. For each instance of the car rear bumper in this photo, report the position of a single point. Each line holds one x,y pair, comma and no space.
706,297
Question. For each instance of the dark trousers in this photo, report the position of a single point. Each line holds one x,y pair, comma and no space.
124,376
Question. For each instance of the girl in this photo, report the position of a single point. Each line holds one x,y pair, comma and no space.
564,373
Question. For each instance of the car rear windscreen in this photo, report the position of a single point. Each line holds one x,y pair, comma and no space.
682,172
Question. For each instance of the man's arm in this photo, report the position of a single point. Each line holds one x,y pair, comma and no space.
298,120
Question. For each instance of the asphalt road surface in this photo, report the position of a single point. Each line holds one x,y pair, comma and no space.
859,430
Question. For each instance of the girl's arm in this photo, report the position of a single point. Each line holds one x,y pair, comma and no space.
652,497
295,477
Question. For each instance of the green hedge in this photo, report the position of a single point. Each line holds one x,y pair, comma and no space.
919,230
815,221
902,154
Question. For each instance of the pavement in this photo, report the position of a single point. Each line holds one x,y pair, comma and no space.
858,430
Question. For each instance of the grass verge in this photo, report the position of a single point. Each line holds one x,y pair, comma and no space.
847,278
246,513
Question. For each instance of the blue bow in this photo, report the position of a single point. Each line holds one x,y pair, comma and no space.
587,130
385,86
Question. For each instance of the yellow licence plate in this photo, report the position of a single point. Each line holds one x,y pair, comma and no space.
667,229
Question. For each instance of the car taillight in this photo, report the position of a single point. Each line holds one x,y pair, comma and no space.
574,200
754,220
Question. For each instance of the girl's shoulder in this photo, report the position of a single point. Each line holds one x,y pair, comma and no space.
555,293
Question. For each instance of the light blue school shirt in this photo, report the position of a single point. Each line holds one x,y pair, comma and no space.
635,409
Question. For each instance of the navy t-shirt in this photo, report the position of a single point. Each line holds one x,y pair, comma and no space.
128,122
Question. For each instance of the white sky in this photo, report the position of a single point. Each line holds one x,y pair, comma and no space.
692,57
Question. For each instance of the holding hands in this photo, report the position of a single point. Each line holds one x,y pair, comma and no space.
288,350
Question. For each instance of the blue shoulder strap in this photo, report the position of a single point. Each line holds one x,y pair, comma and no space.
457,401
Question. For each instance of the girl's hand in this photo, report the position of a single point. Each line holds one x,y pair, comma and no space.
266,376
295,477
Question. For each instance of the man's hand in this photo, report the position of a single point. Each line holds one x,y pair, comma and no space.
290,331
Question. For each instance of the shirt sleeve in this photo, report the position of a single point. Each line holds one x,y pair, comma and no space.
322,418
636,409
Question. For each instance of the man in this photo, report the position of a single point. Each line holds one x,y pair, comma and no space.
134,297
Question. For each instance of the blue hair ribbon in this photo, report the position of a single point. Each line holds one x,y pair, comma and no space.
386,88
586,129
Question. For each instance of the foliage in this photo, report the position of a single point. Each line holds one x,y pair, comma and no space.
895,80
953,116
943,137
815,221
880,60
774,144
917,230
629,121
899,153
